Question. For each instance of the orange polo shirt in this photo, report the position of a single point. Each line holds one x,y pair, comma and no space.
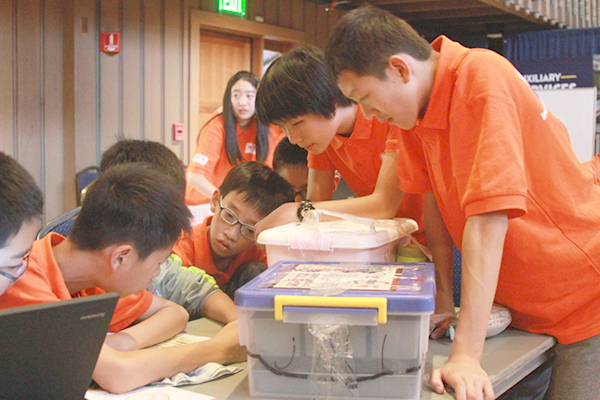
488,143
358,160
210,158
195,250
43,282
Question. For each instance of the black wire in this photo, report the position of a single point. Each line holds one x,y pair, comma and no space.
293,354
306,376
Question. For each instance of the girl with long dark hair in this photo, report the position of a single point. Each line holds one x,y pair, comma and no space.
229,138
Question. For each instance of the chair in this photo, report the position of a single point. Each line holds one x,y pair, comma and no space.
456,275
84,178
61,224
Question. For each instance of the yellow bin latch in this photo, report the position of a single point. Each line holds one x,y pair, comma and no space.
334,302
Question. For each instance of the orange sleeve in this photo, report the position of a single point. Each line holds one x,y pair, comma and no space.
488,120
129,309
209,149
184,248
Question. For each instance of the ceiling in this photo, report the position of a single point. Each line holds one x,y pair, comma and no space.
461,18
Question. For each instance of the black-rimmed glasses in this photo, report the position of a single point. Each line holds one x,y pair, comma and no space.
232,219
19,271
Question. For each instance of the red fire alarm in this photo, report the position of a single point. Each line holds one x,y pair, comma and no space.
178,131
110,42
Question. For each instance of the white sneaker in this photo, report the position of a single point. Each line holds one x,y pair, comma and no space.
500,319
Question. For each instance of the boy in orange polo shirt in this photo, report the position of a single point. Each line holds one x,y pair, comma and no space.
297,95
519,205
223,245
188,286
128,223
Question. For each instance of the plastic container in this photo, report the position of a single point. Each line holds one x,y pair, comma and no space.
376,322
347,238
410,253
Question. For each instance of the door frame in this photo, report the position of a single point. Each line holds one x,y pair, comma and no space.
256,31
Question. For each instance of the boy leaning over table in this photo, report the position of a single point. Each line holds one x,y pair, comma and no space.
129,220
518,203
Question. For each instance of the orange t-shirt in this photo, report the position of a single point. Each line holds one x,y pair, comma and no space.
594,167
210,158
43,282
195,250
488,143
358,159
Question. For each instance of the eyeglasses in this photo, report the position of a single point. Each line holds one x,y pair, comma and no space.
20,270
230,218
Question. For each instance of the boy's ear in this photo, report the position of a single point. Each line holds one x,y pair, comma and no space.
122,254
214,200
400,66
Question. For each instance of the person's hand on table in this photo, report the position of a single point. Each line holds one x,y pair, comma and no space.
466,377
282,215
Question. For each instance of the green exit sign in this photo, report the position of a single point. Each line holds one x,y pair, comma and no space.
233,6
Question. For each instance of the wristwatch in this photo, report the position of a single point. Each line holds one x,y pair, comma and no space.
305,206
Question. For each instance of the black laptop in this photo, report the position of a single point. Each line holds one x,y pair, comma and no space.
49,351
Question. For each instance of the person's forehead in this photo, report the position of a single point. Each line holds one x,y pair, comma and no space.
349,83
305,117
294,172
243,86
244,210
15,249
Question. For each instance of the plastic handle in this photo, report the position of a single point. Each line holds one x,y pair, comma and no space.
379,303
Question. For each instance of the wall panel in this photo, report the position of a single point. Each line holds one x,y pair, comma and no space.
29,89
7,77
131,69
109,82
63,102
53,145
173,73
271,12
86,67
285,13
153,70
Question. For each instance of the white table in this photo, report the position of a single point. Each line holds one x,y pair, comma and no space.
507,358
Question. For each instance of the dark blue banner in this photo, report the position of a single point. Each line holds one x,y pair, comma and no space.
558,73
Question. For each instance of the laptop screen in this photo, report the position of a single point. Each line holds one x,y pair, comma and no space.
49,351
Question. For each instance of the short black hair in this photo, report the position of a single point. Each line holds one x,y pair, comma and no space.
365,38
131,203
155,154
287,153
258,185
21,200
297,84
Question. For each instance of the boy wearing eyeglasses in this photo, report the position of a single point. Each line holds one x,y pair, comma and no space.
21,205
129,221
223,245
190,287
290,162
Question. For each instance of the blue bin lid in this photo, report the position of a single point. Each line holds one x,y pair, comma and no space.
408,287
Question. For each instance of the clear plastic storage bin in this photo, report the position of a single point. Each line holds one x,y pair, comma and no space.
347,239
337,330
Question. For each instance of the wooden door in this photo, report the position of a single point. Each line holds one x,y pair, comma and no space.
221,56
